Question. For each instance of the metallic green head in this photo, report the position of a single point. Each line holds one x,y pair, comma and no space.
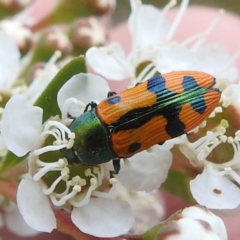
92,142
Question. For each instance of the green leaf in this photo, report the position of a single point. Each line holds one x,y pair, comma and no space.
177,184
48,101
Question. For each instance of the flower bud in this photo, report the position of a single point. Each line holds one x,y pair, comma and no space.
191,222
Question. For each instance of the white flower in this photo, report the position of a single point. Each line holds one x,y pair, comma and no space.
153,45
147,34
27,134
216,186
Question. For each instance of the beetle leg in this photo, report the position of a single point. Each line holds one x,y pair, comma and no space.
116,166
111,93
91,104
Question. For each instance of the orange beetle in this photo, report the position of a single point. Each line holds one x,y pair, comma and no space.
161,108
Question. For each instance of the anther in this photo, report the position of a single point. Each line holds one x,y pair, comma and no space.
113,180
228,170
230,140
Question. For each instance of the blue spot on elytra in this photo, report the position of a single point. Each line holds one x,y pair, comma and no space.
156,84
199,105
189,83
114,99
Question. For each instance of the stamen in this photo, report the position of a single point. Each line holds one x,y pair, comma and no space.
195,130
237,133
65,109
58,125
113,181
149,150
54,132
88,174
43,164
207,150
212,115
168,6
223,138
140,77
230,140
221,129
86,198
208,31
42,150
224,123
225,101
54,184
77,180
177,19
100,175
235,176
63,200
126,162
203,124
218,110
60,195
193,38
45,169
228,170
98,194
71,138
151,73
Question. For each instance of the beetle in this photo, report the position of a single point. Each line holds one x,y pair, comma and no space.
161,108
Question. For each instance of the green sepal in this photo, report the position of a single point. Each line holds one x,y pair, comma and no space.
156,230
177,184
48,101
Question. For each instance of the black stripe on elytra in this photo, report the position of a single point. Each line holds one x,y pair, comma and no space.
171,106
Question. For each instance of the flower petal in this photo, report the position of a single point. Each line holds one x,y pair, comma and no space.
9,60
177,58
103,217
214,191
188,229
86,87
231,92
16,224
147,170
147,26
217,63
110,61
21,125
34,206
